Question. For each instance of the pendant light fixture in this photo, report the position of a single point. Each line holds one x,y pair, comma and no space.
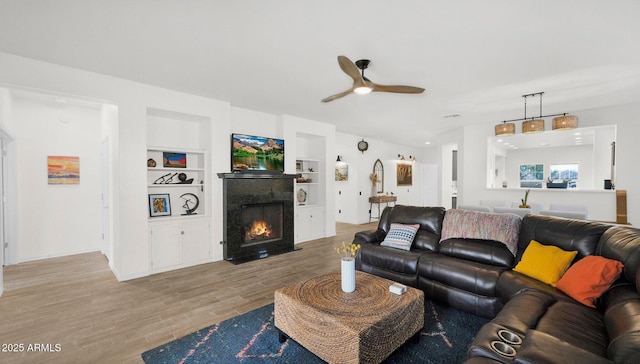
505,129
532,126
565,122
536,124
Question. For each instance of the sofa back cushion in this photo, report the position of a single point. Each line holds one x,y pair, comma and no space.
623,244
429,218
482,251
483,226
579,235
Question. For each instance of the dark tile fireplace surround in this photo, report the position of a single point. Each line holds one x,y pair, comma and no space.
258,215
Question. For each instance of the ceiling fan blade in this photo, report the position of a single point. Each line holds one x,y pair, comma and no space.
396,89
337,96
350,69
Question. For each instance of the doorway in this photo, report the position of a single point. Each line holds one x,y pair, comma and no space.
450,181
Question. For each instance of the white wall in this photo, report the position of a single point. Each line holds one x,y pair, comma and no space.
472,157
352,196
582,155
57,220
245,121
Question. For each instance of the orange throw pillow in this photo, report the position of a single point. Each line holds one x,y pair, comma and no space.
589,278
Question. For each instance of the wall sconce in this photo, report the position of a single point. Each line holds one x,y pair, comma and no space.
339,159
532,125
401,158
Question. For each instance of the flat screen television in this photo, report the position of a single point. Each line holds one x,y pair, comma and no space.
250,153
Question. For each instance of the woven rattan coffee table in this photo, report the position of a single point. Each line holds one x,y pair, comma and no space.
364,326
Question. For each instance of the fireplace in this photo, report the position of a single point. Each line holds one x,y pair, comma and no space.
262,223
258,215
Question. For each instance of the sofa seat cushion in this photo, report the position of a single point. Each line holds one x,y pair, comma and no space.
552,331
568,321
482,251
390,259
465,224
512,283
576,324
466,275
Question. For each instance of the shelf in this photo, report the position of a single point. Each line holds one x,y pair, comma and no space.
175,185
171,218
160,169
175,150
308,205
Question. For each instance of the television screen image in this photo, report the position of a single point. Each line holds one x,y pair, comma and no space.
255,153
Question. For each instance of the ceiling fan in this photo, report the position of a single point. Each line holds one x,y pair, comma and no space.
362,85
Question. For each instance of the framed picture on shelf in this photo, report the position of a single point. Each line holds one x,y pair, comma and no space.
298,166
174,160
159,204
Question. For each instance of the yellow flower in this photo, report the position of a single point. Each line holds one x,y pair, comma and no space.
347,250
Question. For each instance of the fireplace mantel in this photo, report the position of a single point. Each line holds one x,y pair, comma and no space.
253,175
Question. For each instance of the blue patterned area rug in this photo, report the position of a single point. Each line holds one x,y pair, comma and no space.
252,338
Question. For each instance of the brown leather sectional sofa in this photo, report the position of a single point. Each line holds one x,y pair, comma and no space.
476,276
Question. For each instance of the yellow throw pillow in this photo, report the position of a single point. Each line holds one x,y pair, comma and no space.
546,263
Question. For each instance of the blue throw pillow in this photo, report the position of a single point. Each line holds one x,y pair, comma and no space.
400,236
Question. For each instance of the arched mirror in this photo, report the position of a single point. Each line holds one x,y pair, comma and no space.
378,172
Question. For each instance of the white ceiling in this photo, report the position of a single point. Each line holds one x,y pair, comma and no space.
474,58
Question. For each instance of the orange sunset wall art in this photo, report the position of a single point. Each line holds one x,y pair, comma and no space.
63,170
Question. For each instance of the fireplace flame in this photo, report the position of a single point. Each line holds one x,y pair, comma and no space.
259,230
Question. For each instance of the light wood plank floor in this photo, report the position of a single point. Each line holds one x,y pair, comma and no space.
77,302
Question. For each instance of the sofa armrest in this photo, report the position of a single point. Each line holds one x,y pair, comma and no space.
369,237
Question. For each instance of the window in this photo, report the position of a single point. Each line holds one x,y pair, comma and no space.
567,172
531,175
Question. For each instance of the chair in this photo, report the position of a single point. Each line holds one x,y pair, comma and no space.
475,208
535,207
579,215
564,207
494,203
511,210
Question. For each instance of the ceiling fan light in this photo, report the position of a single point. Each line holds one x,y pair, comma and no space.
363,90
532,126
505,129
565,122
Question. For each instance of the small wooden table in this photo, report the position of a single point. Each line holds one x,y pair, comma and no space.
364,326
378,200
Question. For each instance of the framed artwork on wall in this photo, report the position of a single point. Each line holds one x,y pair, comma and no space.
63,170
342,172
405,174
531,175
159,204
